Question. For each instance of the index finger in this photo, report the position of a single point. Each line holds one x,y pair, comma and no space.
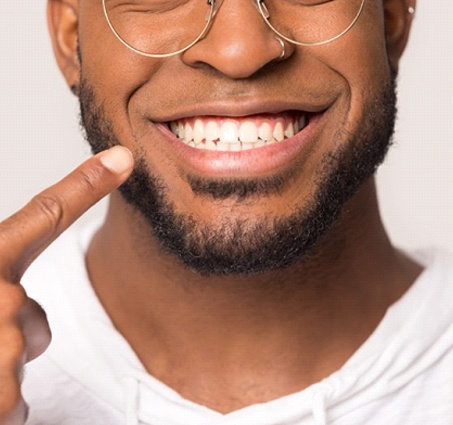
24,235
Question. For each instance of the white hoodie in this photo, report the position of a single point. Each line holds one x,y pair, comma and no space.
403,373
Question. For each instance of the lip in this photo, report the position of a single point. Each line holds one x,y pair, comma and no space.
257,162
240,108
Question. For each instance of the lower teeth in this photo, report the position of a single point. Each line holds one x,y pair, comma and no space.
228,146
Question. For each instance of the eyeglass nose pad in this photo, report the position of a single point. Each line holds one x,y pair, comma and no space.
262,8
215,5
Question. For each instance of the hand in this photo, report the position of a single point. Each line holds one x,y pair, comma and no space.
24,331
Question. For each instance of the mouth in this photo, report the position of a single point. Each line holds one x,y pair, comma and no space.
227,134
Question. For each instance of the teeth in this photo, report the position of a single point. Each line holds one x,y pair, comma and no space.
223,146
233,136
174,128
188,132
247,145
302,122
229,132
198,131
248,132
279,134
265,131
236,147
210,145
212,131
289,131
180,133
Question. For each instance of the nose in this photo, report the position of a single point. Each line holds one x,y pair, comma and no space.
238,43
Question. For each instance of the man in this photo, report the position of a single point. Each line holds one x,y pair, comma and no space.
242,274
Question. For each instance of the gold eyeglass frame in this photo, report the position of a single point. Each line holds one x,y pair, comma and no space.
214,7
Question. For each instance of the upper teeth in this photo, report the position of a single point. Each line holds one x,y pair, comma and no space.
235,134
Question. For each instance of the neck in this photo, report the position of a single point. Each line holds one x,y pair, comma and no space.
211,338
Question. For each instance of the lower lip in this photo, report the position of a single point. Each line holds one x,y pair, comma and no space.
261,161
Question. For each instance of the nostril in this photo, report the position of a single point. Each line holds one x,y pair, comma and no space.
236,57
238,43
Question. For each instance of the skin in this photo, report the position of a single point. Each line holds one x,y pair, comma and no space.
203,332
24,332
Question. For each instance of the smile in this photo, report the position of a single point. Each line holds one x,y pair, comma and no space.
227,134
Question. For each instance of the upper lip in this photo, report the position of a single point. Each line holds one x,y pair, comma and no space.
240,108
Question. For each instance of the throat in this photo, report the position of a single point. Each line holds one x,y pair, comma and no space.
228,355
260,337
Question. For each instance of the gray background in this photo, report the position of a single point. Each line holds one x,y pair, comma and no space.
41,141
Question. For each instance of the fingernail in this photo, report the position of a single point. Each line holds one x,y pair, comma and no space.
117,159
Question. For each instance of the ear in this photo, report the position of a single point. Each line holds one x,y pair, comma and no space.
398,15
62,18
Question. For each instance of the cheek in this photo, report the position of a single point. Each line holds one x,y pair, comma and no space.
111,68
360,56
360,59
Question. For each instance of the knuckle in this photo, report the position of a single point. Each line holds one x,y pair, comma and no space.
89,178
10,395
11,402
14,348
12,299
50,207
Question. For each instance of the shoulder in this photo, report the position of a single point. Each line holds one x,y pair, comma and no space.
437,263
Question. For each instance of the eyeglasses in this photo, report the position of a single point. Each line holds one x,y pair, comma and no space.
163,28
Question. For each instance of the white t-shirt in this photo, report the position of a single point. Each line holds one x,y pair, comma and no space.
403,373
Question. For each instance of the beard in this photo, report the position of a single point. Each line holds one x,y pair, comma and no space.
244,246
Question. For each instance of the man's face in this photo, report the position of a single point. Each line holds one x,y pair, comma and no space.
256,209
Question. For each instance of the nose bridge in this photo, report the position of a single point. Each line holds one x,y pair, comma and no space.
237,22
238,42
218,3
237,7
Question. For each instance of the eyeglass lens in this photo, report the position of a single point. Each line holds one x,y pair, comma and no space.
160,27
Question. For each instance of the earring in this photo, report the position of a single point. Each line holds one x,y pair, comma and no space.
75,89
411,10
